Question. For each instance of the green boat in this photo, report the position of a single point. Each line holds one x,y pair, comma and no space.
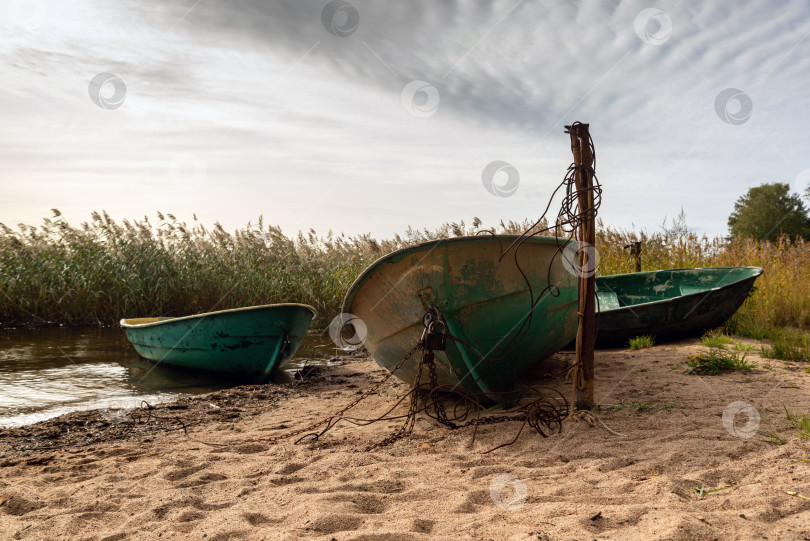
247,342
668,304
499,321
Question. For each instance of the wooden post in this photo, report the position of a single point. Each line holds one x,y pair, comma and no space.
635,251
586,235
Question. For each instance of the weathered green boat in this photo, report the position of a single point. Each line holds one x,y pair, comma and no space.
500,320
668,304
247,342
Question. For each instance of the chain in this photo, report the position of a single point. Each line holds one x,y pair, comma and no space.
437,403
334,418
539,414
410,420
428,359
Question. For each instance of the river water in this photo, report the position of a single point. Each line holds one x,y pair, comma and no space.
48,372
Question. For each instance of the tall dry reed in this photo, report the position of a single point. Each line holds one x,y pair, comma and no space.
782,293
104,270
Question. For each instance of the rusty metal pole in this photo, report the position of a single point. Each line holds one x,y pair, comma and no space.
586,235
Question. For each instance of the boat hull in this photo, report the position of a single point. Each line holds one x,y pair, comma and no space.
245,342
669,304
495,334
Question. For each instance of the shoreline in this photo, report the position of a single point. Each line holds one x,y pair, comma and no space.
54,372
87,476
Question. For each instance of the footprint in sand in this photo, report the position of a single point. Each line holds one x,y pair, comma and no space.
287,470
474,499
329,524
226,536
18,506
190,516
182,473
366,504
161,511
194,503
421,525
288,480
115,537
251,448
385,487
203,480
205,506
292,467
255,519
486,471
614,464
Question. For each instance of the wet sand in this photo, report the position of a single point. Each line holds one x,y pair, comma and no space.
203,468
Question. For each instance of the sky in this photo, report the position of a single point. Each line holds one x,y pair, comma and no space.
367,116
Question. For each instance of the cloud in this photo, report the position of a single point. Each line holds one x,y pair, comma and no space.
280,107
483,58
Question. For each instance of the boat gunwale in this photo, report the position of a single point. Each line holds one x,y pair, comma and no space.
630,307
123,323
351,292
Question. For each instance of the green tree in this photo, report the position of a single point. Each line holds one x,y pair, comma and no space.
767,211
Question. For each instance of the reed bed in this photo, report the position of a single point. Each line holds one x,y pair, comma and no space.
782,294
103,270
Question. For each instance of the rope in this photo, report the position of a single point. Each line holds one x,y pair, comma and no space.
568,220
591,418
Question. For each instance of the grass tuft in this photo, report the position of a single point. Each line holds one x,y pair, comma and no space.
787,344
641,342
715,361
641,408
800,424
716,339
797,424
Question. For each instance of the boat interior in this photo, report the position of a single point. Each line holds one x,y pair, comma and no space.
144,320
620,290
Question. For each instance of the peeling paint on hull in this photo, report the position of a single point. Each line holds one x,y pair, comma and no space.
251,342
484,302
669,304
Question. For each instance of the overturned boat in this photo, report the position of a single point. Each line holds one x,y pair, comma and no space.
498,313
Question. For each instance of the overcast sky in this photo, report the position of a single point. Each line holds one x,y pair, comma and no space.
369,116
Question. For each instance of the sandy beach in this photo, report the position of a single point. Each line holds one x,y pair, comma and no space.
103,476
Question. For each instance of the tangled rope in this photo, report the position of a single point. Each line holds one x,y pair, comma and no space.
544,410
568,220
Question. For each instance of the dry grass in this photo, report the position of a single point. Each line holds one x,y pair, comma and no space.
782,295
103,270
